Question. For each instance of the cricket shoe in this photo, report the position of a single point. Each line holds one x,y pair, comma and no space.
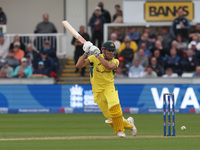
134,129
121,134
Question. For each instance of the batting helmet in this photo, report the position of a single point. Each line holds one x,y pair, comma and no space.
109,46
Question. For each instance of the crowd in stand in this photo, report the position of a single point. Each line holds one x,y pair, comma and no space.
162,55
18,60
172,52
22,60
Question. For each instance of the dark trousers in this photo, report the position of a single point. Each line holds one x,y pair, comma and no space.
97,35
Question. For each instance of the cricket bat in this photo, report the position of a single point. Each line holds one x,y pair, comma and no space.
73,32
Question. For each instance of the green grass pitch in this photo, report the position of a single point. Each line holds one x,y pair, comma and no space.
88,131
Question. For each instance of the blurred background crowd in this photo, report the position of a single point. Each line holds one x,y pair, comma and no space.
172,52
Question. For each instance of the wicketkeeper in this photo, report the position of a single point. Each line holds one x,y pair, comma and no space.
102,71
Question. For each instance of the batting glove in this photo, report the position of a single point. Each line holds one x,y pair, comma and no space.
86,46
94,51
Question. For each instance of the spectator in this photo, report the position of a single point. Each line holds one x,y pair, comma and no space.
45,26
3,73
174,45
3,19
167,38
113,38
51,52
136,70
133,45
169,73
118,72
120,36
119,17
165,49
149,73
105,13
22,45
125,68
41,69
182,45
117,8
156,67
174,62
121,70
151,35
18,53
134,36
196,39
4,46
197,72
32,53
127,54
159,58
147,52
13,62
145,39
48,62
142,58
9,70
158,46
78,47
195,32
160,38
190,62
29,61
194,49
96,23
180,25
22,71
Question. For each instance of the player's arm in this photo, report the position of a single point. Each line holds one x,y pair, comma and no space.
106,64
82,61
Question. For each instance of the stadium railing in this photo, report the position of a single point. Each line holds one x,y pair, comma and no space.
37,40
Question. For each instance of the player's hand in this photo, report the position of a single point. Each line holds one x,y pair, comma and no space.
86,46
94,51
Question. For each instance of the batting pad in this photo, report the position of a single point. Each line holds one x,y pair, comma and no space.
117,118
127,124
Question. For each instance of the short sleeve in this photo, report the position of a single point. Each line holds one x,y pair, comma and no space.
116,61
91,58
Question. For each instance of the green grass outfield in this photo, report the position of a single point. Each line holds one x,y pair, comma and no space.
88,131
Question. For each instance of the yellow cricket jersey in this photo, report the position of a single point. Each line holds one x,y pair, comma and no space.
101,77
133,46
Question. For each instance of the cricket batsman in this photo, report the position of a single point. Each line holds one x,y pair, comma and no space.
102,69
